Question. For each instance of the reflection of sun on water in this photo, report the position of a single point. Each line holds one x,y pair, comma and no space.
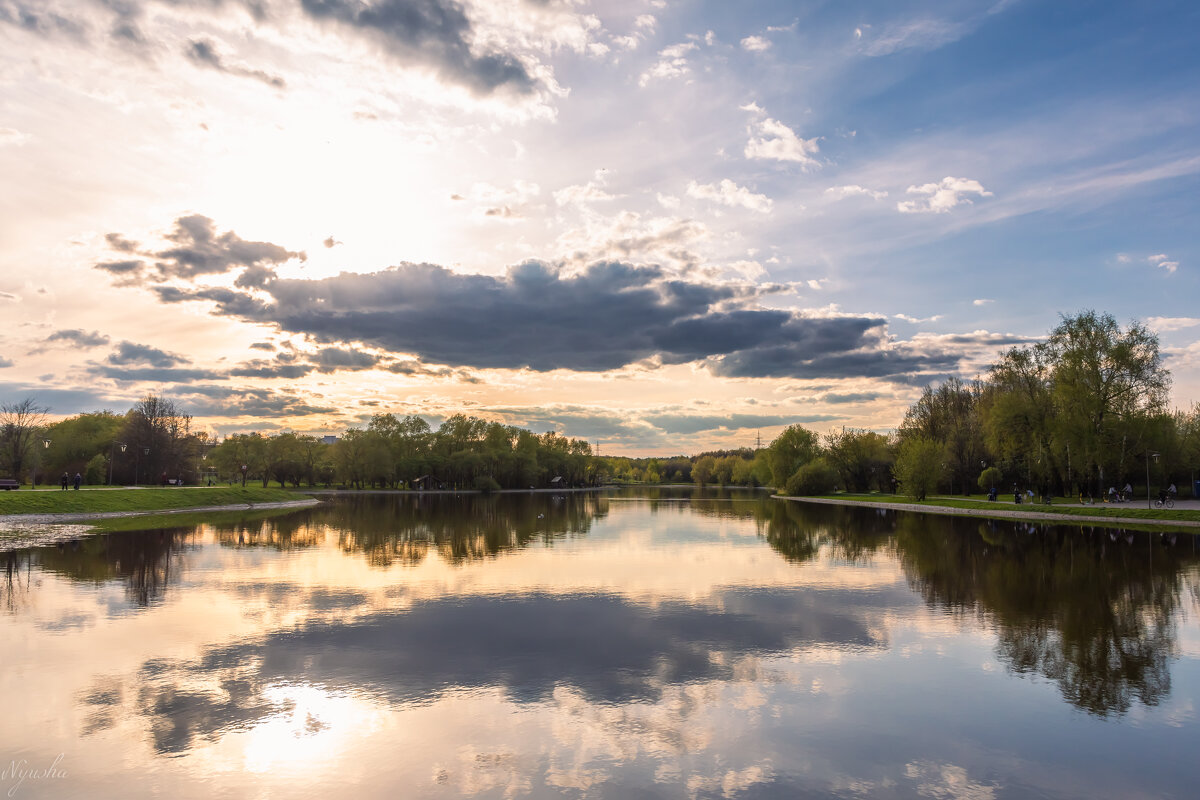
318,727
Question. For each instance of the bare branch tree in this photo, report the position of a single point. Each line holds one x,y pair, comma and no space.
20,423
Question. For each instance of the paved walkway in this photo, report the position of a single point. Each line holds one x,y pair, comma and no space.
1009,511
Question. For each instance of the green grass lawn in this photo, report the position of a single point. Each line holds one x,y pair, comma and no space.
1061,506
55,501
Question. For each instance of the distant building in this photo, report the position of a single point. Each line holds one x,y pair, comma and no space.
329,440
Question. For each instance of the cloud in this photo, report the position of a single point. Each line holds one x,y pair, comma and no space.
10,296
197,249
917,320
13,137
78,338
582,194
939,198
203,52
330,243
430,33
840,192
850,397
770,139
685,424
922,34
730,194
982,301
1163,261
243,401
1168,324
672,63
756,43
152,374
5,363
128,353
34,18
604,316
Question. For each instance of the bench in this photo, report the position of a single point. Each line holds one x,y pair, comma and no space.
8,484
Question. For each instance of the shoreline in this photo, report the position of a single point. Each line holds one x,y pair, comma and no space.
84,516
1000,513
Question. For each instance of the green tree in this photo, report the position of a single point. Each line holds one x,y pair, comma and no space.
918,466
1107,384
792,449
703,471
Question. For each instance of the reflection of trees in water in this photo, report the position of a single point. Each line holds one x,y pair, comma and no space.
146,561
1090,608
403,528
799,532
289,532
18,578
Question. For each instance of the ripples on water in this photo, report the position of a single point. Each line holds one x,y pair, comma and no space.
663,643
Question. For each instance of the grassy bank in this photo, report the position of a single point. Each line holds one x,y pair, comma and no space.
87,501
1066,508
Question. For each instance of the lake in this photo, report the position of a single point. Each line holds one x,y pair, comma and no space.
667,643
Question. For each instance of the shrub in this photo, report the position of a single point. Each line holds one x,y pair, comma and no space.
816,477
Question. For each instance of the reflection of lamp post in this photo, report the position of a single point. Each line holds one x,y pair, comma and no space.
110,457
244,468
1149,455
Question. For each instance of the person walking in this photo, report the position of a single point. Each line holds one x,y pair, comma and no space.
65,481
78,480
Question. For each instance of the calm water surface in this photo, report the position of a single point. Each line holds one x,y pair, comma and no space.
629,645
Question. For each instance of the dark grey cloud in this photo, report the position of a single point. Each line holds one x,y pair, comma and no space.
203,53
263,346
5,362
78,337
63,401
36,18
128,353
214,400
198,249
800,360
119,243
334,359
851,397
261,368
695,423
153,374
537,316
431,33
127,273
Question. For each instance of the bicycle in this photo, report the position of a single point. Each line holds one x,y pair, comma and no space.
1164,502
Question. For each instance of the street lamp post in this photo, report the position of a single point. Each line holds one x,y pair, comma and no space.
36,464
110,457
244,468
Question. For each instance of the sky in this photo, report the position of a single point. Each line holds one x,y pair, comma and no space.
664,227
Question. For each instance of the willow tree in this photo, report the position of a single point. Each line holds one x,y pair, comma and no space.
1108,385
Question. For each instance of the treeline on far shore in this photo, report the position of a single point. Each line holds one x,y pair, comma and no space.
1080,412
1083,410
